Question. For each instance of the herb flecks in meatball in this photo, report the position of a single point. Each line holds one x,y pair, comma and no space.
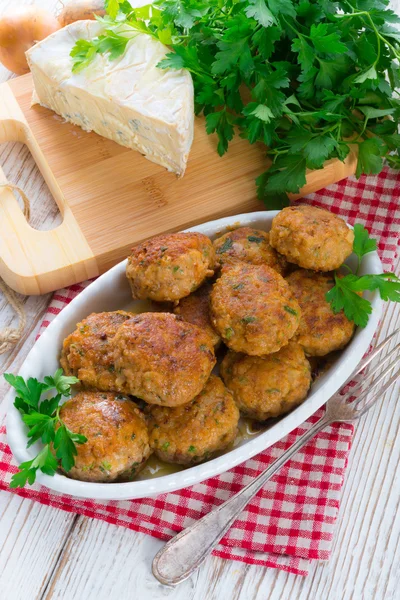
195,309
320,331
253,309
270,386
311,237
251,246
170,267
162,359
192,433
87,352
117,445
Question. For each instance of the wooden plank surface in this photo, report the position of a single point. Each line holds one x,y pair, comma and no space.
46,553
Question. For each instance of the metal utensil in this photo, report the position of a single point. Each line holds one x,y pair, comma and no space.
184,553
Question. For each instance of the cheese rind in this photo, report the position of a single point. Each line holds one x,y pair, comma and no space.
129,100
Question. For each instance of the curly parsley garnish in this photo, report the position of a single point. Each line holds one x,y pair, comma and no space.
42,416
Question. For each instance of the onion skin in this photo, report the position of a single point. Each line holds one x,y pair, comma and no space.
19,31
79,10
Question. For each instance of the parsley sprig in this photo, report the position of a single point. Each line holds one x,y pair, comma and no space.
310,79
42,416
345,295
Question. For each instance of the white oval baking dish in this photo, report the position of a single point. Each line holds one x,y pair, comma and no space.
110,292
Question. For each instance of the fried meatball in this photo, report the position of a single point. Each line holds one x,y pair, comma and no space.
194,432
87,352
253,309
162,359
169,267
249,245
311,237
320,330
196,309
117,444
269,386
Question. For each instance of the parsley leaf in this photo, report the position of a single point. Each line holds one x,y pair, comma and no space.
82,54
343,297
28,392
42,418
370,157
371,113
62,383
41,427
264,40
112,7
47,407
326,42
316,148
331,72
282,7
261,13
388,285
184,14
84,50
113,43
288,173
44,461
305,51
172,61
346,293
230,55
261,111
362,242
369,73
65,447
221,122
273,200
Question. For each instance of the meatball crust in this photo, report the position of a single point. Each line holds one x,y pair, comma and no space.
253,309
162,359
194,432
269,386
249,245
87,352
320,330
117,444
195,309
169,267
311,237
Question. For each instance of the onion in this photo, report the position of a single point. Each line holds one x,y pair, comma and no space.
21,29
78,10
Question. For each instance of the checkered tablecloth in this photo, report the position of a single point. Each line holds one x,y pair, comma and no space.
290,521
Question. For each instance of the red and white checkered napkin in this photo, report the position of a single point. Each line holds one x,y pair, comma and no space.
292,519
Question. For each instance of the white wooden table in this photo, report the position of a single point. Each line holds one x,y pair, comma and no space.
46,553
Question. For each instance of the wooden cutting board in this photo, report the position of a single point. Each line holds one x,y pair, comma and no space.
111,197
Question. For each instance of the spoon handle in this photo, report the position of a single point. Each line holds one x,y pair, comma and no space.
184,553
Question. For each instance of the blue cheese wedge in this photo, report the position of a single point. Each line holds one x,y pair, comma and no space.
128,100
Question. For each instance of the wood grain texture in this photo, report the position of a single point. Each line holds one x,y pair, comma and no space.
111,197
18,517
34,261
47,553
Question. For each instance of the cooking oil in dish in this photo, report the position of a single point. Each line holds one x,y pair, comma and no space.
157,468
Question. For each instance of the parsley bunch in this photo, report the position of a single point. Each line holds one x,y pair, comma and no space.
303,77
42,416
346,294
